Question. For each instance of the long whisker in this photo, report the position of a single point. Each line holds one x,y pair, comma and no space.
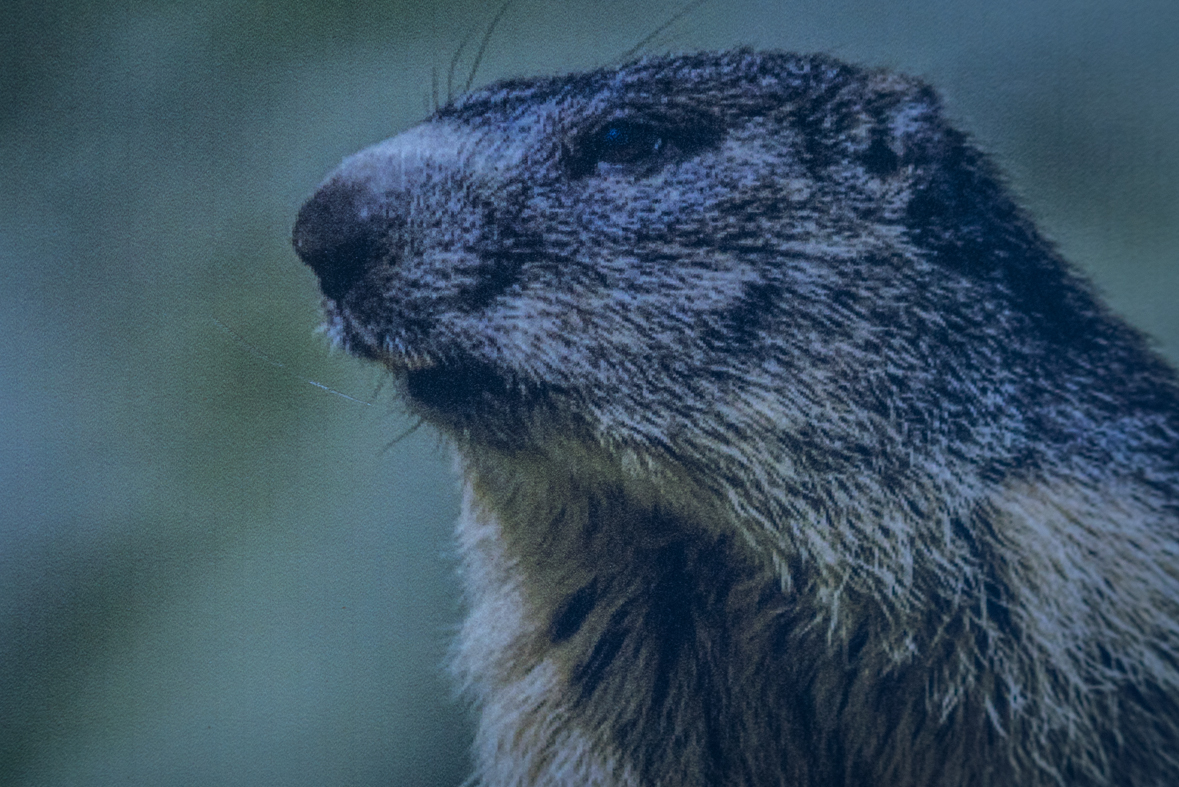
405,434
686,9
454,64
483,44
275,362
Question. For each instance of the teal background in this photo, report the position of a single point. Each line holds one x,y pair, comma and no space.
214,573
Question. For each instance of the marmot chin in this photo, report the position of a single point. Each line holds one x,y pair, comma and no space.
793,454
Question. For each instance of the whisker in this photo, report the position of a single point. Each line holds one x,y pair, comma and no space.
275,362
413,428
483,44
686,9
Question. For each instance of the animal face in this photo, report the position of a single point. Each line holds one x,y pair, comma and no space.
626,249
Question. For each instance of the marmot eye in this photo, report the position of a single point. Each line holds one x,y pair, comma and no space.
632,142
617,142
626,143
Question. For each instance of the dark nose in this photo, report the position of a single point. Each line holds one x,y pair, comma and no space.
338,233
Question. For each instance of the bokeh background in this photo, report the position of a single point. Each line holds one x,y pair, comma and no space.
215,573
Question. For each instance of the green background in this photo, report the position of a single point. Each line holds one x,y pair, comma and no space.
214,573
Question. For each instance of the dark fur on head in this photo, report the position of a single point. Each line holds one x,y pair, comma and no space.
794,454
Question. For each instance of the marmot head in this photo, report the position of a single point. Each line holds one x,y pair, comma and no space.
692,256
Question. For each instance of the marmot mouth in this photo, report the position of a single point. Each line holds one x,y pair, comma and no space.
446,383
466,389
467,396
451,389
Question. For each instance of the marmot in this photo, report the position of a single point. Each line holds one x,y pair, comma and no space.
793,453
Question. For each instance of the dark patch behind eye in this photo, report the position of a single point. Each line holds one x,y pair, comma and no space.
738,327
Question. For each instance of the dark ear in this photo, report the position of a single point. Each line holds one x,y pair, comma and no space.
955,205
875,138
932,177
954,195
898,127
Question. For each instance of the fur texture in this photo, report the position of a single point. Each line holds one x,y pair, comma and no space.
793,454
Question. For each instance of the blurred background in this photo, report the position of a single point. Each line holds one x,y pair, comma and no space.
215,573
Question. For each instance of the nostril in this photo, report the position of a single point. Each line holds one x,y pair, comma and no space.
336,237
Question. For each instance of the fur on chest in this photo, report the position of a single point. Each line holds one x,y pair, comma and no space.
616,645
